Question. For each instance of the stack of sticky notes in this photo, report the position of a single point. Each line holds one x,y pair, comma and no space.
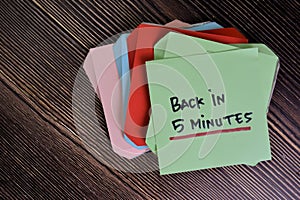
195,95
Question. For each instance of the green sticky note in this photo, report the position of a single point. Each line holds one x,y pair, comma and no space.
263,49
193,98
150,139
175,45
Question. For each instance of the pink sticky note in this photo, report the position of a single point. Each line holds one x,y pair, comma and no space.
101,69
90,72
177,24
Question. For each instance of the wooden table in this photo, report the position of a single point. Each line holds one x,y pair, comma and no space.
43,153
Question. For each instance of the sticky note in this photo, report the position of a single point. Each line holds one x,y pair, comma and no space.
175,45
194,27
88,66
141,50
177,24
208,111
121,58
101,69
262,48
204,26
178,45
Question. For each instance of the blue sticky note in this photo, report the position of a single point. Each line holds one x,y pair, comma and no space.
132,144
121,57
204,26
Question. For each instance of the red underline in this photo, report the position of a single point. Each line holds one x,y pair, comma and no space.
247,128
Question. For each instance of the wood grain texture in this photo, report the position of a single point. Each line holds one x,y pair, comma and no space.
45,116
37,161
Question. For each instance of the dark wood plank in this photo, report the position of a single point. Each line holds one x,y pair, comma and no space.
37,161
45,42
